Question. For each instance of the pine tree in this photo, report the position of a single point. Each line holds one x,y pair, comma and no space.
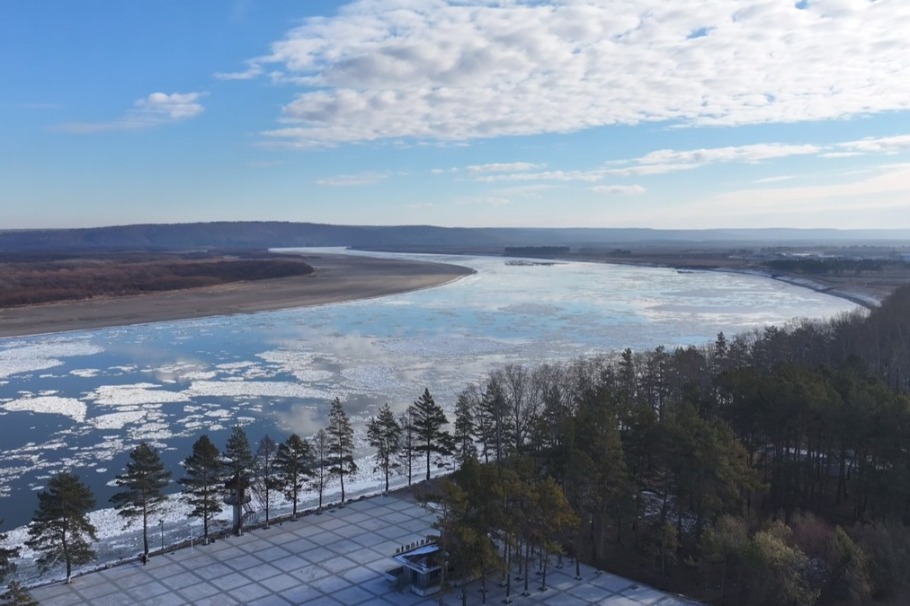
406,453
238,465
384,435
293,465
341,444
464,426
6,557
265,481
203,482
493,425
143,482
428,418
60,529
16,595
321,454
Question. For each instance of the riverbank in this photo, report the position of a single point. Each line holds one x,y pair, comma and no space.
867,289
336,278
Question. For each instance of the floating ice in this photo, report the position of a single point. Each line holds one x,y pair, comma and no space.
251,389
70,407
85,372
137,393
21,356
117,420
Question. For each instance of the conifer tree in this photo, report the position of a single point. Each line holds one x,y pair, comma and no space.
6,557
464,426
406,454
265,481
238,465
143,482
321,454
16,595
341,444
384,435
293,465
60,529
427,419
203,482
493,424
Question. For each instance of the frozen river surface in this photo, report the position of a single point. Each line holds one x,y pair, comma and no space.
82,400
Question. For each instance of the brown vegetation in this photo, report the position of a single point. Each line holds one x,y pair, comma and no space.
35,279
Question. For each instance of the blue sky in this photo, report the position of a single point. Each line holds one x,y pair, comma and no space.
646,113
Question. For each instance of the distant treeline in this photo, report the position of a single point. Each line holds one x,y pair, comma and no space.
826,266
535,251
31,280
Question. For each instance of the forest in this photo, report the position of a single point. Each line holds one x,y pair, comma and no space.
36,278
766,468
770,468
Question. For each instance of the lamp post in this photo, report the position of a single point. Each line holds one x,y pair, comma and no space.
161,526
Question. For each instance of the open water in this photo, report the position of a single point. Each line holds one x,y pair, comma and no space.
82,400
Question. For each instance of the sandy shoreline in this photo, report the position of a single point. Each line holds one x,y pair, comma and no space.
336,278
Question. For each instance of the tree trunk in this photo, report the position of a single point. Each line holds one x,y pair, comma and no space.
66,555
483,585
145,537
527,559
546,560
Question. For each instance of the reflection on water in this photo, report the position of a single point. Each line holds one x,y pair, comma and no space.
82,400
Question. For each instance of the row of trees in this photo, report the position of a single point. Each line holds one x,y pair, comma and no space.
62,532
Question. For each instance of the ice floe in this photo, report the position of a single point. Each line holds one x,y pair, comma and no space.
69,407
22,356
248,389
136,393
117,420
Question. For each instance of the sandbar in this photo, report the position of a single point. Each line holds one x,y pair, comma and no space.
336,278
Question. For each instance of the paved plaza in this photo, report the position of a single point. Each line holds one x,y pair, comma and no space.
337,558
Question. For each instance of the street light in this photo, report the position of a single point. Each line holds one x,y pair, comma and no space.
161,526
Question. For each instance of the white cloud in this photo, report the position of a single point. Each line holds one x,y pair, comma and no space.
449,70
881,145
624,190
665,161
353,180
501,167
851,203
253,70
775,179
158,108
741,153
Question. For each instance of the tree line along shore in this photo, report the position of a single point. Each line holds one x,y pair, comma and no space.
40,278
769,467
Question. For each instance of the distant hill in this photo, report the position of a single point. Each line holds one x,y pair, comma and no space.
258,235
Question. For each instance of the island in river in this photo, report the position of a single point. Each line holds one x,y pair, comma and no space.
319,279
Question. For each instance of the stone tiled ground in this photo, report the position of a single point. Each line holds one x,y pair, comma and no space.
335,559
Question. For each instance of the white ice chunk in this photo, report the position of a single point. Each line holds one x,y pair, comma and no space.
70,407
